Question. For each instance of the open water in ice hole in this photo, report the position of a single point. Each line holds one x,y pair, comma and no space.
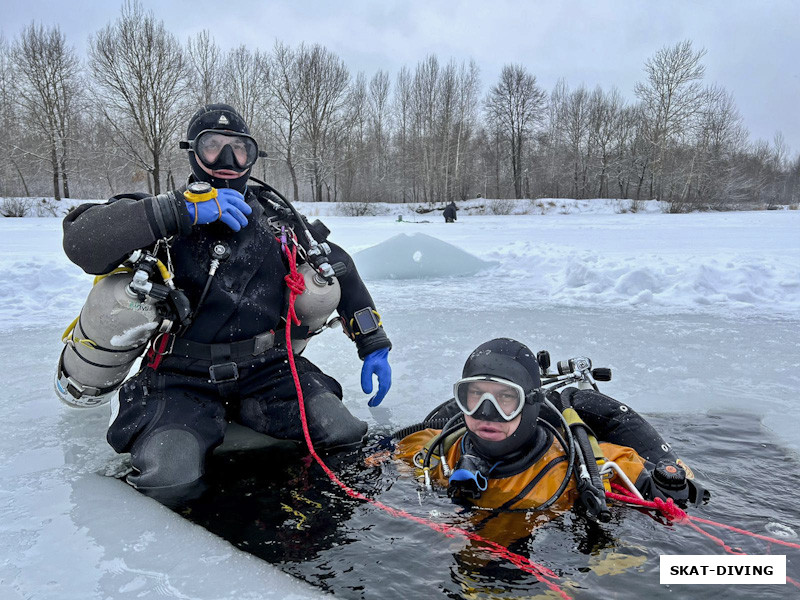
286,512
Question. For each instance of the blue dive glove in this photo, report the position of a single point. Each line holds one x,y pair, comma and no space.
229,207
376,363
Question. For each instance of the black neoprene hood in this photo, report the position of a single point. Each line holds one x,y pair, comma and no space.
216,116
507,359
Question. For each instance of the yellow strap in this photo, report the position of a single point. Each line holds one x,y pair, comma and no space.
66,337
572,417
197,198
598,452
114,272
70,328
353,320
164,271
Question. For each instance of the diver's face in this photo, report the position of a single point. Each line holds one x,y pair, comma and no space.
492,431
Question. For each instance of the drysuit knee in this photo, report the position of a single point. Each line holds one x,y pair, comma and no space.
331,425
169,465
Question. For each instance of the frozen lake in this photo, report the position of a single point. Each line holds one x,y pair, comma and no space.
697,315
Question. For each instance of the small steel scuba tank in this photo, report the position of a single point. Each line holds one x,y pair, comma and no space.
319,299
113,329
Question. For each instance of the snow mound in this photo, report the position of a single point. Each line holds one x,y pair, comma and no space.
417,256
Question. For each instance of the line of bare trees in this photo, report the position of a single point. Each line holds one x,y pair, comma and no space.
112,123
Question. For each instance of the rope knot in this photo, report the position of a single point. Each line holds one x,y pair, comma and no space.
670,510
295,283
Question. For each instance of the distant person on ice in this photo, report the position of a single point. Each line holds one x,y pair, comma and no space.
230,363
450,213
501,455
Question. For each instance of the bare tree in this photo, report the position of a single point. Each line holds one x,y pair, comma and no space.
466,115
604,125
287,105
379,127
244,81
402,111
204,58
517,104
141,77
672,96
324,81
9,168
48,86
352,173
425,95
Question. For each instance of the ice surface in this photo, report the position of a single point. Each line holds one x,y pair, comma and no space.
694,313
417,256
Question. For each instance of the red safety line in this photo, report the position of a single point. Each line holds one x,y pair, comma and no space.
296,285
674,513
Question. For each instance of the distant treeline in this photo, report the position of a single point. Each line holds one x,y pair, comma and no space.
112,123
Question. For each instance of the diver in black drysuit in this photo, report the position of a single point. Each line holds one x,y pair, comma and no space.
172,417
450,213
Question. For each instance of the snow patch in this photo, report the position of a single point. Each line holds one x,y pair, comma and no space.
135,336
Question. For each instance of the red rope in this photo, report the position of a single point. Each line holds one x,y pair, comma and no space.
296,286
673,513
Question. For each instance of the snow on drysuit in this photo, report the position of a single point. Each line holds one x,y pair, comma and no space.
230,362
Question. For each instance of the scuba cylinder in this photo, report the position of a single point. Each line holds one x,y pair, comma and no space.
123,312
313,307
322,289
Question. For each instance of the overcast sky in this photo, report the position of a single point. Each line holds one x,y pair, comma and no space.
753,45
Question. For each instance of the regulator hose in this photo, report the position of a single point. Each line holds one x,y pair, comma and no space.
592,493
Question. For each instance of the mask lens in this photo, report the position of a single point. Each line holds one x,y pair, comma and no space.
209,146
472,393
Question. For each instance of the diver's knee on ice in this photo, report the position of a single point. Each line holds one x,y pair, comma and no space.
331,424
169,459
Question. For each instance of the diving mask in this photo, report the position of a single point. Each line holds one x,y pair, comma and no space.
476,396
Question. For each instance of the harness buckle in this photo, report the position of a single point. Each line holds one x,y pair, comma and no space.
223,372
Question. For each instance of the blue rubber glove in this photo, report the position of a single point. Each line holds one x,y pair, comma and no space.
231,210
377,364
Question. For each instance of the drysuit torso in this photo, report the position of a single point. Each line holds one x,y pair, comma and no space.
247,296
532,486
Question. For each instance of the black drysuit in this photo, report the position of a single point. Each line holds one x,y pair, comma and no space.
449,214
169,419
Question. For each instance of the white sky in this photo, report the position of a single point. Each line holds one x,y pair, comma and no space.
753,46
